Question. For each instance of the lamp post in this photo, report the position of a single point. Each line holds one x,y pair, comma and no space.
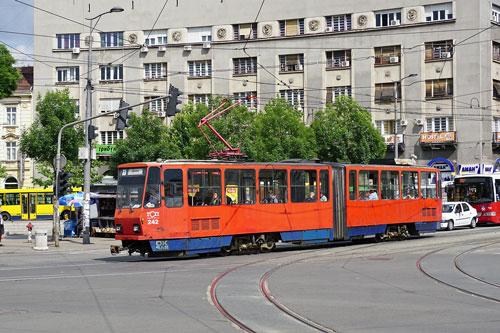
88,114
396,113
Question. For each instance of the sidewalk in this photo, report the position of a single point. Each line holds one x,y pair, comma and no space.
18,244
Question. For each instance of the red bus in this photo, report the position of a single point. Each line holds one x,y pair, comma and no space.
189,207
482,192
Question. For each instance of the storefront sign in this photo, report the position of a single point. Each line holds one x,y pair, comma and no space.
474,169
389,138
106,149
440,137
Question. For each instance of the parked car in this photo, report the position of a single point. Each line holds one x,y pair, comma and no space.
457,214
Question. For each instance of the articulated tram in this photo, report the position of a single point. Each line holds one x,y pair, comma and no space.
194,207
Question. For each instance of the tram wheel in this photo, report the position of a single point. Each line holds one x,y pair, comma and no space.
225,251
268,246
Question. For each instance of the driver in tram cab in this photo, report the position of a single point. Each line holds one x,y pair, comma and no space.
153,199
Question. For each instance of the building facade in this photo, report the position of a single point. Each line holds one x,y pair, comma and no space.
428,69
17,113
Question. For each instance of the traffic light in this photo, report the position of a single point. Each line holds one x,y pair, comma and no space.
92,130
173,101
121,121
63,183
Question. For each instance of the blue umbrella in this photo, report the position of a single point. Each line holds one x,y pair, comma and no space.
75,199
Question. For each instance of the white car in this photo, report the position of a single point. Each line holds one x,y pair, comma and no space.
457,214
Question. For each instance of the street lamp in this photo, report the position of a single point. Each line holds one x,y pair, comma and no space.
88,114
396,113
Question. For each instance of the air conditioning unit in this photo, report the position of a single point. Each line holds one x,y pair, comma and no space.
162,114
207,45
144,49
162,48
395,22
446,55
299,67
419,122
329,29
394,60
403,122
188,47
345,63
76,50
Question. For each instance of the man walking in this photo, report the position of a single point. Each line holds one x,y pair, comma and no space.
30,228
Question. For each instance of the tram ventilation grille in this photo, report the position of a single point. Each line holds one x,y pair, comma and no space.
428,211
205,224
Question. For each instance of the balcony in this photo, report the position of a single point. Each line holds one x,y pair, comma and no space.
438,140
389,141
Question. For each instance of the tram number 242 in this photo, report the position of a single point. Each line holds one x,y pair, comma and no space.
153,217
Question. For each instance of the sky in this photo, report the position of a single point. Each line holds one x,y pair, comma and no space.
17,17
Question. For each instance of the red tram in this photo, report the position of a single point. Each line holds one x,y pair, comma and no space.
187,207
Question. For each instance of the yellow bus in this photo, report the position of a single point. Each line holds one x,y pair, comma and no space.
29,204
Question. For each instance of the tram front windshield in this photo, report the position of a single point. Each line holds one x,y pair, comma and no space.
130,187
474,190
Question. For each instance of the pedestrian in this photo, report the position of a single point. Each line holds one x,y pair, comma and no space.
1,230
30,229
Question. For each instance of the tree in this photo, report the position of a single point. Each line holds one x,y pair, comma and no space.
39,141
3,171
279,133
8,74
345,133
146,140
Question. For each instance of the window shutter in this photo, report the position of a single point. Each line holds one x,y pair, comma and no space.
291,28
329,96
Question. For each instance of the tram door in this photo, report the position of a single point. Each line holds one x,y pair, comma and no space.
24,206
33,206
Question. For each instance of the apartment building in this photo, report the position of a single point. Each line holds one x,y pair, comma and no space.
429,69
17,113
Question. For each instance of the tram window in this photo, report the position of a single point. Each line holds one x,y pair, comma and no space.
12,199
130,187
324,185
173,187
497,189
273,184
352,185
48,199
368,185
39,199
303,185
152,195
204,187
428,185
389,181
1,200
240,186
409,184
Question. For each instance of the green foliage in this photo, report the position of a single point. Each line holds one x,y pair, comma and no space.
75,167
345,133
8,74
3,171
279,133
146,141
39,141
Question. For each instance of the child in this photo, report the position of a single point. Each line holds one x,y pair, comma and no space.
30,228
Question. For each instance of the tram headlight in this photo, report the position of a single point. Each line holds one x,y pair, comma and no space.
137,228
119,228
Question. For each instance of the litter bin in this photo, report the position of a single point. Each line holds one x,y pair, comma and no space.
41,240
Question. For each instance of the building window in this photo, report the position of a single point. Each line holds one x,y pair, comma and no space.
387,55
338,23
496,124
384,92
245,31
158,105
249,102
386,127
199,35
11,115
245,66
111,73
200,99
111,39
156,37
200,68
439,50
77,108
294,97
155,71
109,104
334,92
496,51
388,18
439,88
496,89
11,151
110,137
338,59
68,41
291,27
439,124
68,74
439,12
291,63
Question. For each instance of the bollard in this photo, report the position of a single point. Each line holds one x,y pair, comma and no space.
40,240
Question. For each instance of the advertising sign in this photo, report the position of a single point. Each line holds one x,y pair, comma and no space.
439,137
389,138
105,149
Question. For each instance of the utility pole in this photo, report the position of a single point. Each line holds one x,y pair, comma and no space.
396,144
